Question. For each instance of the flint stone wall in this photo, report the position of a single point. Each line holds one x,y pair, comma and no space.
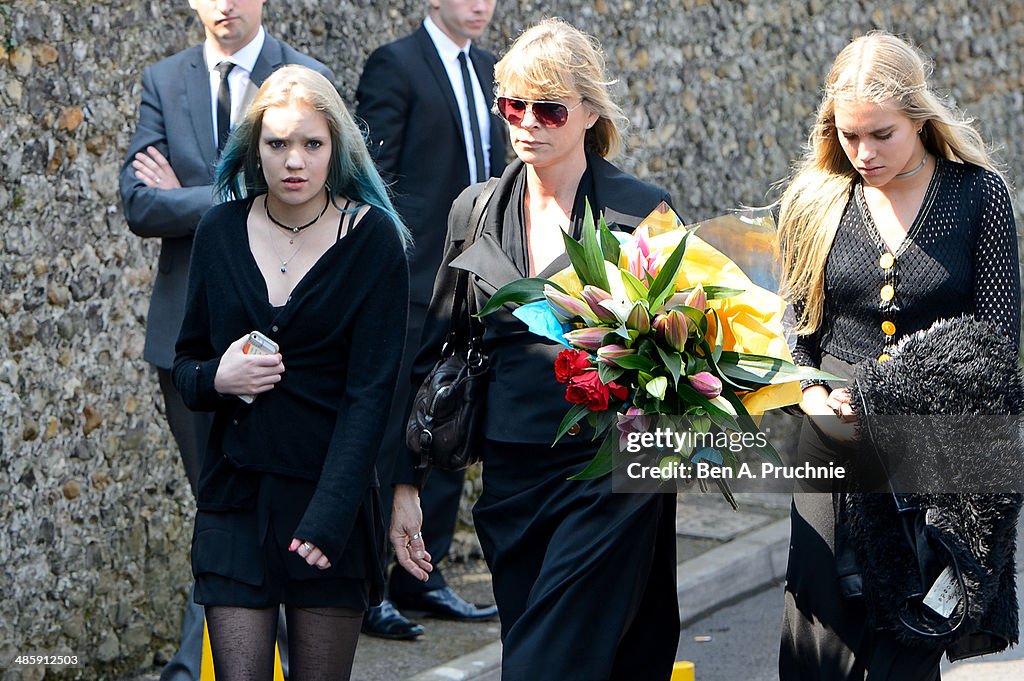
95,510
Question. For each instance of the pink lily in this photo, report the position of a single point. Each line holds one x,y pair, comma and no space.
588,338
607,354
594,296
567,307
677,328
707,384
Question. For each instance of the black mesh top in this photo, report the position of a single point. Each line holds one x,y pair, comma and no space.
959,257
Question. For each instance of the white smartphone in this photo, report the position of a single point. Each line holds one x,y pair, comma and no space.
257,344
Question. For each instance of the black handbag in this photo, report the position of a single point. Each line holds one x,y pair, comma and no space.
445,426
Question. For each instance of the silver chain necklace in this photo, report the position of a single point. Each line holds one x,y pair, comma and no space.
910,173
284,261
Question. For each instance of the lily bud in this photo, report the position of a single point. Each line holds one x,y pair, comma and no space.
607,354
567,307
639,319
593,297
697,298
707,384
588,338
676,329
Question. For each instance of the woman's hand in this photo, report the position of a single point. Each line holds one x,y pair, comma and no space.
406,535
831,412
242,374
310,553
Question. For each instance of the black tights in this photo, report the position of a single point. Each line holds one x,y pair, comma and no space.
321,642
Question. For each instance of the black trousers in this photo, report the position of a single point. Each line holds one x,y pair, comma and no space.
584,578
191,429
440,497
826,637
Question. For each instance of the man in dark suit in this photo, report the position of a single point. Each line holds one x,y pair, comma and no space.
426,101
189,103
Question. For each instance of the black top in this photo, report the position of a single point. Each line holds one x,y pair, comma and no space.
959,257
340,335
524,401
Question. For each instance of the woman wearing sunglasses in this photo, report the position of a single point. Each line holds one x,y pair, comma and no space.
574,566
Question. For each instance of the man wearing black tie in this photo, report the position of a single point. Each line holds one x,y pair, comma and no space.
426,101
189,102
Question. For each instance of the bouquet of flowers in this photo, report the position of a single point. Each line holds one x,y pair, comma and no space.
659,323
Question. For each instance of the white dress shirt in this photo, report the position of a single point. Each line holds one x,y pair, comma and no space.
449,53
238,80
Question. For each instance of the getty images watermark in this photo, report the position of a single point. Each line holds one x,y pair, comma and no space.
666,453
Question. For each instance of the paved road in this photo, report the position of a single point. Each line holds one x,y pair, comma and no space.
744,640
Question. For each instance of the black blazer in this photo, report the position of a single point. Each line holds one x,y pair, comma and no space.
415,134
524,402
174,117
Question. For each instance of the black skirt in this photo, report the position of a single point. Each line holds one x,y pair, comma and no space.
240,558
584,578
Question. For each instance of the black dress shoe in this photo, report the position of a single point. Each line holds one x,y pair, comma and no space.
383,621
446,604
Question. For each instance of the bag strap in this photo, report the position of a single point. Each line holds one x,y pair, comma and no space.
463,326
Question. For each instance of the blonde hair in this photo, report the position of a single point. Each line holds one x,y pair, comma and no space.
556,60
878,67
350,171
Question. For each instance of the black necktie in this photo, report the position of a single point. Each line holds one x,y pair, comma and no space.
223,105
474,124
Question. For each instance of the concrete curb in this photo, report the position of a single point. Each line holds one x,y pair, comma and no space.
704,584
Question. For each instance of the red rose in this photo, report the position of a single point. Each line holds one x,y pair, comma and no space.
619,392
588,389
570,363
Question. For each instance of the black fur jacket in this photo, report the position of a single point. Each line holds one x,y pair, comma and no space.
955,480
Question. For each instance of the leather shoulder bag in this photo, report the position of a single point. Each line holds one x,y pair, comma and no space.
445,427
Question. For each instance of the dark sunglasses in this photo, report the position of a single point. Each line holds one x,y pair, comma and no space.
548,114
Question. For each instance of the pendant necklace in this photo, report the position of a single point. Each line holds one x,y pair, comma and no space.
289,228
899,176
284,261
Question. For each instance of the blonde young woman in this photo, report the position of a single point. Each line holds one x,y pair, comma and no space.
895,218
584,579
309,252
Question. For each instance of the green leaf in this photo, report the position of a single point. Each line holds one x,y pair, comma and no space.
673,362
603,462
636,362
608,373
519,291
604,420
635,289
664,283
592,251
721,292
762,370
719,336
578,259
609,244
572,417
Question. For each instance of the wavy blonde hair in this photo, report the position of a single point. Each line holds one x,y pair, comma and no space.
878,67
555,59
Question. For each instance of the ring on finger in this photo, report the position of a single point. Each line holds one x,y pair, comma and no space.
418,535
308,547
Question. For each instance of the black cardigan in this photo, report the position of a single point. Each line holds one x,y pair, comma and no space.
959,257
524,403
340,333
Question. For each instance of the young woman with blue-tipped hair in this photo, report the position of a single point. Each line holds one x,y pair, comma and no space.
308,251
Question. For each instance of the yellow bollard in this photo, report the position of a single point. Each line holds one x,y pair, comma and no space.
683,671
206,671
